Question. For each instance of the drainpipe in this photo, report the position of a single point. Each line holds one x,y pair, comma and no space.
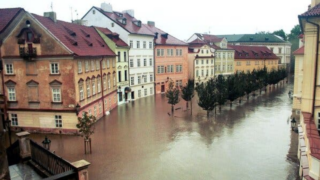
3,89
101,85
315,66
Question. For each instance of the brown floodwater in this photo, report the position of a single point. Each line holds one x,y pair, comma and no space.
139,140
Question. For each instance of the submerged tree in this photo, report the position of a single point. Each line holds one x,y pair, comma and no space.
207,95
187,93
173,95
86,128
221,87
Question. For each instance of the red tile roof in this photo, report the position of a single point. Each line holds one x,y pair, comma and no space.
113,36
130,25
81,40
312,134
211,38
313,12
199,43
252,52
299,51
7,15
164,38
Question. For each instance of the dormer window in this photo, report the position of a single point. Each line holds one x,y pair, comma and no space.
137,23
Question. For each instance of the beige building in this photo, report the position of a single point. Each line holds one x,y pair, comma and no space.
307,93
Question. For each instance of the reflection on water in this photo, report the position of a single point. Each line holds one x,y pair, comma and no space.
139,140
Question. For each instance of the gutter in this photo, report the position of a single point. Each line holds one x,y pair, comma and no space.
101,85
315,66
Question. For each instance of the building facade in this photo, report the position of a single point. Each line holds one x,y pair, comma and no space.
50,66
138,37
276,44
309,139
170,59
121,49
248,58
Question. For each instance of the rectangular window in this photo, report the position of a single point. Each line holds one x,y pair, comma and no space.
125,56
158,52
150,45
99,85
144,78
93,87
201,61
170,68
150,62
113,63
56,94
119,76
139,79
280,50
162,52
197,73
119,57
178,68
202,72
87,66
58,120
238,63
132,80
138,62
14,120
197,62
144,62
100,108
108,63
88,88
95,111
9,68
138,44
109,83
125,75
54,68
151,77
12,93
92,65
104,82
318,120
145,92
131,44
144,45
81,93
160,69
178,83
97,65
131,62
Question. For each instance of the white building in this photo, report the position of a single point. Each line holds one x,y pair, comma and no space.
138,37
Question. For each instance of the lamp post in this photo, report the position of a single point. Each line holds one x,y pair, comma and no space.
7,123
293,123
46,143
77,109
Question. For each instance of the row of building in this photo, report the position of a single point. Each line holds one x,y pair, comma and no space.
53,71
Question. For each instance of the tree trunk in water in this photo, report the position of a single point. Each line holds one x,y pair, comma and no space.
187,105
215,110
220,108
240,101
208,112
260,91
172,109
247,96
191,106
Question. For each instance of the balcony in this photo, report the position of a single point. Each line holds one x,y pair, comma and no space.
27,53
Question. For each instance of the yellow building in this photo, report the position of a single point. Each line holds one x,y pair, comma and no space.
309,139
248,58
298,77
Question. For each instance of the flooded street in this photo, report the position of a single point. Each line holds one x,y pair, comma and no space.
139,140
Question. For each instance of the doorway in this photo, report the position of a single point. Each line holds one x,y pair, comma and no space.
132,95
162,88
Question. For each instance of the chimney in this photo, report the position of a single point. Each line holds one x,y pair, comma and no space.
52,15
151,23
314,3
129,11
106,7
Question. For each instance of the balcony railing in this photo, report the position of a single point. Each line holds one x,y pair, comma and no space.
28,53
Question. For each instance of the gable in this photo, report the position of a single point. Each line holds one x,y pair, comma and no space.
43,41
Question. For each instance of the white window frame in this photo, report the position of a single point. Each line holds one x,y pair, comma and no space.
79,67
58,121
14,120
56,94
12,93
9,68
54,68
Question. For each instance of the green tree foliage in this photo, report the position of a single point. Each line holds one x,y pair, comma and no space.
221,86
280,33
207,95
232,88
187,92
86,125
173,95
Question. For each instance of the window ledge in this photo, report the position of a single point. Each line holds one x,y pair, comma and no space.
56,102
10,74
55,74
88,97
81,100
12,101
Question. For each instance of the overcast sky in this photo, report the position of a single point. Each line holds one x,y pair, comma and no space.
183,18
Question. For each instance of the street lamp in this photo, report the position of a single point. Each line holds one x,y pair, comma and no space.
293,123
46,143
77,109
7,123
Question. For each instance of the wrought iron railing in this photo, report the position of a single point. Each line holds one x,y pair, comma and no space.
13,153
52,163
28,53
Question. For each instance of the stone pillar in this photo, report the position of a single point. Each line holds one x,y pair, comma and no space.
82,168
24,143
